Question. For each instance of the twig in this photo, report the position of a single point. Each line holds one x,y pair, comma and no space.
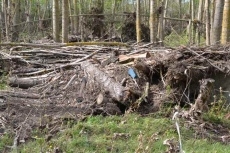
178,130
208,60
66,65
70,81
16,138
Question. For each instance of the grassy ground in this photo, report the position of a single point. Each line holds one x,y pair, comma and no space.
122,134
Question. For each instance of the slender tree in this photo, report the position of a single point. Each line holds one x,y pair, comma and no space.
56,15
138,21
218,15
199,18
165,14
152,20
16,20
28,15
65,21
225,34
161,20
71,13
75,18
207,17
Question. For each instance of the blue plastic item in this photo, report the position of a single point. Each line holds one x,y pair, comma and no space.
132,73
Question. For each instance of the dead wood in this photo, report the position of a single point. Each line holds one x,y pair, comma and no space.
116,90
27,82
19,94
58,45
144,98
74,63
125,58
206,88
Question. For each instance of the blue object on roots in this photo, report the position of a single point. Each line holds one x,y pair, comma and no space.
132,73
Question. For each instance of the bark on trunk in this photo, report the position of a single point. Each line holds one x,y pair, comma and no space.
116,90
56,27
138,22
225,35
65,21
216,23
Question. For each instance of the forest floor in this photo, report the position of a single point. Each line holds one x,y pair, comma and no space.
57,89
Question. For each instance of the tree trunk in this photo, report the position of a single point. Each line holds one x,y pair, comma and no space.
160,26
28,15
65,22
16,20
180,16
198,24
207,15
138,21
56,15
70,2
152,21
165,14
7,18
193,24
212,14
75,18
216,23
81,21
225,34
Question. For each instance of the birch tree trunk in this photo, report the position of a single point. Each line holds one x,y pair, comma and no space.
138,21
225,34
56,15
216,22
207,16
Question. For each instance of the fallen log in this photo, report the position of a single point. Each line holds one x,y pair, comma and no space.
19,94
57,45
25,82
116,90
128,58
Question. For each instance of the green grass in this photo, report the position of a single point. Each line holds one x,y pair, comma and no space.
3,81
5,140
96,134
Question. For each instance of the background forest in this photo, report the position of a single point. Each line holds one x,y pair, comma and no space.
186,21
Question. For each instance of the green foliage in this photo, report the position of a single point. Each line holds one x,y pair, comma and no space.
130,133
175,39
218,111
3,81
5,140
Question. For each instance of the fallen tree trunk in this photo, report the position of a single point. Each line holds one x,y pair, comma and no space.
25,82
116,90
19,94
57,45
